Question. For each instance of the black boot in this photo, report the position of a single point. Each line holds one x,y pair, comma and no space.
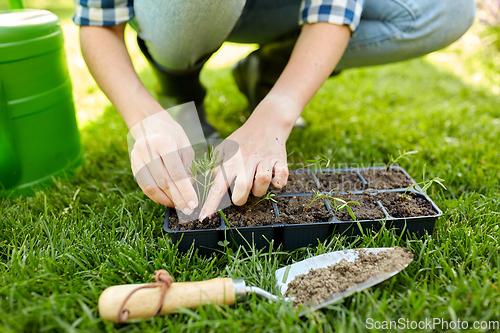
257,73
181,86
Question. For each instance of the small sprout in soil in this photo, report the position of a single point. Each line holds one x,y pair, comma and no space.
202,170
426,184
393,161
319,163
269,196
339,203
345,205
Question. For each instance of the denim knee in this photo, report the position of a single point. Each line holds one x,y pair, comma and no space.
457,18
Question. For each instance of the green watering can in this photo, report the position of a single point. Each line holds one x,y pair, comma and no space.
39,137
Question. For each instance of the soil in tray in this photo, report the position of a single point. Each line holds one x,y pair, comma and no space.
207,223
367,209
294,210
251,214
380,179
412,206
298,182
339,181
318,285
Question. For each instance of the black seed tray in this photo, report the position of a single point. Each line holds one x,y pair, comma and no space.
293,236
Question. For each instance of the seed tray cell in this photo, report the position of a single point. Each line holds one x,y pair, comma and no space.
205,240
261,236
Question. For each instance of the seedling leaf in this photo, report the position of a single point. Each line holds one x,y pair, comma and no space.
393,161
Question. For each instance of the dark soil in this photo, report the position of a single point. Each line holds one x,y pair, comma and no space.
298,182
208,223
379,179
408,206
339,181
293,211
318,285
251,214
368,209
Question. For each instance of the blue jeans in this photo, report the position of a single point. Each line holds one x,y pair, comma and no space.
180,32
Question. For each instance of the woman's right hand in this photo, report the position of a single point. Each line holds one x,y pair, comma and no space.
160,160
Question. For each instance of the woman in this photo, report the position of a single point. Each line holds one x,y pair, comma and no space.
302,43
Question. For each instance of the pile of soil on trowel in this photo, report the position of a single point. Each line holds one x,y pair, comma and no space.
318,285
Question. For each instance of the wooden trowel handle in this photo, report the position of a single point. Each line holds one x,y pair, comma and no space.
144,302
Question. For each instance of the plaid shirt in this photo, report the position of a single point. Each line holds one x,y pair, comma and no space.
113,12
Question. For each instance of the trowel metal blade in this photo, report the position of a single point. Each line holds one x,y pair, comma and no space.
286,274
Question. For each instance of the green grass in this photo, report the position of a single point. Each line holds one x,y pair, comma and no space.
61,248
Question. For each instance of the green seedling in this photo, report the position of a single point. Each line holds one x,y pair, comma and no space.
269,196
202,170
425,185
393,161
320,163
339,203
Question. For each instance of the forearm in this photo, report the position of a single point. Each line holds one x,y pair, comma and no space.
106,55
316,53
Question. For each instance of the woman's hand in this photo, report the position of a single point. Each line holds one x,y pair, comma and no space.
160,158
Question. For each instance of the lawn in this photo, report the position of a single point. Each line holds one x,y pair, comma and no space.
62,247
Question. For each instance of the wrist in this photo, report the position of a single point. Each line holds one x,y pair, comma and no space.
152,124
139,110
278,110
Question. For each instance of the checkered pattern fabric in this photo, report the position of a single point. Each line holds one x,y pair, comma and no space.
113,12
341,12
103,12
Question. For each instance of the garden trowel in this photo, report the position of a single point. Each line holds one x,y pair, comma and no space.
143,303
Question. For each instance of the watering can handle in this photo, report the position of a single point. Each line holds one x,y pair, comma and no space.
16,4
143,303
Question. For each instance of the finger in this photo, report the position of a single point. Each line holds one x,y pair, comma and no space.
280,174
215,195
187,157
180,180
263,177
157,195
146,181
164,182
159,174
151,168
242,186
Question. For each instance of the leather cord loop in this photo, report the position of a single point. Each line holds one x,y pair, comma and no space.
163,280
